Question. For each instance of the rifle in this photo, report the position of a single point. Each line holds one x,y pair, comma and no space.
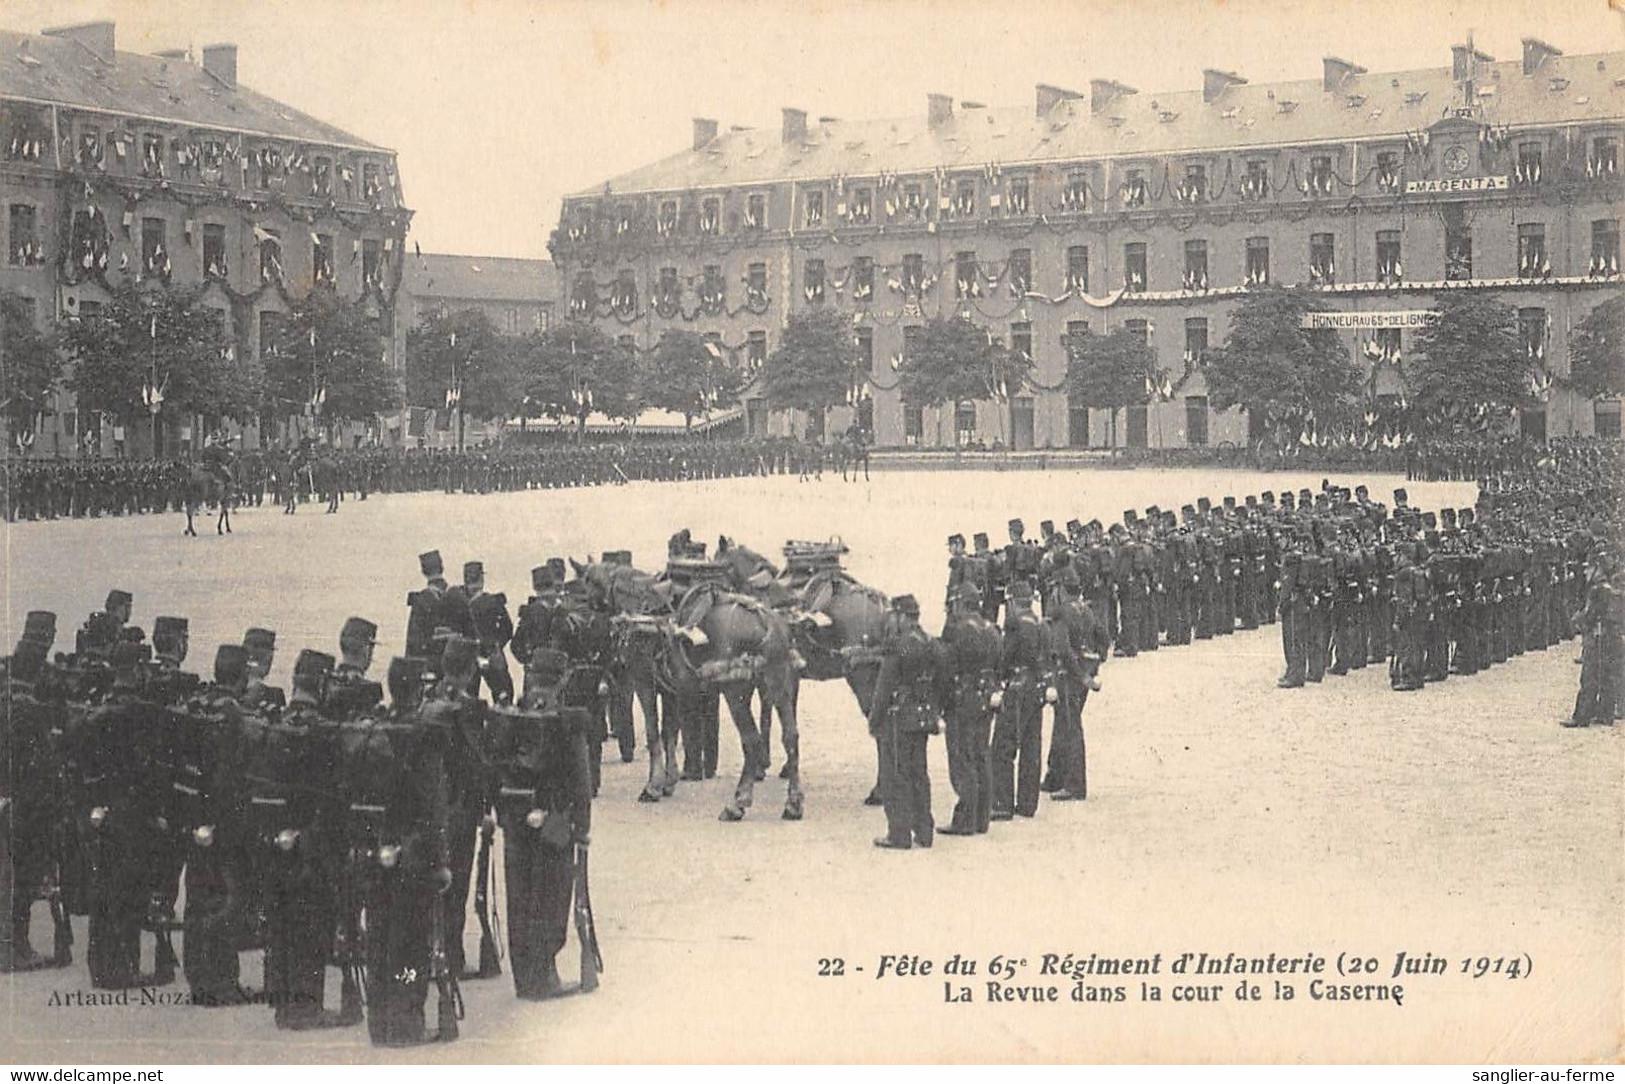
352,979
450,1008
490,954
62,940
592,960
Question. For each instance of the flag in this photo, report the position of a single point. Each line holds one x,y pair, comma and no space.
263,235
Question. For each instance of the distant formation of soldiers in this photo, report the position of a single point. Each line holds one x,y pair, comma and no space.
320,824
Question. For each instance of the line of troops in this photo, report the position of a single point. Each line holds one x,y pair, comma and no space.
323,825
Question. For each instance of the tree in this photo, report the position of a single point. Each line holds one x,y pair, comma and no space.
572,370
330,346
29,363
1109,372
816,362
687,375
957,361
1469,366
457,359
1597,351
1280,372
163,337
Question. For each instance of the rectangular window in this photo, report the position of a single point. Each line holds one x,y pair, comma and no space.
1020,196
1389,269
90,150
863,278
863,206
1605,419
1134,275
756,280
1458,253
965,198
1604,158
966,284
913,273
372,186
1533,261
1388,171
965,422
1528,167
911,342
913,201
1075,196
1605,247
152,156
1076,332
1390,344
1255,184
812,202
812,287
272,324
756,211
1196,421
627,343
154,257
321,177
711,215
1194,187
1077,424
1322,258
667,292
1077,269
1532,324
1320,175
372,263
1257,261
1195,339
864,339
1134,188
666,218
1195,265
756,349
321,257
1136,426
913,423
1021,271
1021,339
1139,329
269,163
713,290
23,242
214,250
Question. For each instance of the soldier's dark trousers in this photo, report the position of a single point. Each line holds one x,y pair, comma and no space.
1317,638
1205,596
1295,642
302,919
907,787
493,670
1345,651
540,882
1068,753
1149,604
970,760
1378,619
621,725
1409,657
1248,596
699,723
1129,623
1436,649
212,927
400,931
1589,709
462,834
113,954
1018,737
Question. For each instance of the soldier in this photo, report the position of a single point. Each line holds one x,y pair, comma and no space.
260,647
1126,584
30,817
425,606
1295,601
105,628
1317,572
349,692
459,717
1018,732
994,568
1599,624
974,646
902,716
1412,600
1080,648
544,805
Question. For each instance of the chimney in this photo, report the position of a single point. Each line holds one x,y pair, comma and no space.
97,37
1458,60
1049,97
1335,72
1215,83
705,130
220,61
1536,53
939,109
1102,92
795,125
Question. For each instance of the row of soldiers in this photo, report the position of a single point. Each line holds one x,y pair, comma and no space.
323,825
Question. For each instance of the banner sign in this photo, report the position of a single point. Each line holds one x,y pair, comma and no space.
1313,321
1458,184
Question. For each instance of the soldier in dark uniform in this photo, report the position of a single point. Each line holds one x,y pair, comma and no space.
1081,645
544,805
460,718
993,565
105,628
425,607
350,693
30,795
974,649
1018,732
1412,599
260,647
1295,600
902,717
1125,617
1317,572
1598,622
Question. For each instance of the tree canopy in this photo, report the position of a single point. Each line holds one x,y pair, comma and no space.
1108,372
460,351
688,376
29,363
572,370
1597,350
331,344
815,363
1278,370
1469,367
957,361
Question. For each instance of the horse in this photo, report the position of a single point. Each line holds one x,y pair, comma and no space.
640,608
205,486
854,452
837,623
740,647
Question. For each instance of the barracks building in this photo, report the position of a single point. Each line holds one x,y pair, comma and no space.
117,166
1116,207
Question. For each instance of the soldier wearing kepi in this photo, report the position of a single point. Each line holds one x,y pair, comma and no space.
902,717
492,629
459,717
30,817
1018,733
425,607
260,647
544,805
974,647
349,691
1080,646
